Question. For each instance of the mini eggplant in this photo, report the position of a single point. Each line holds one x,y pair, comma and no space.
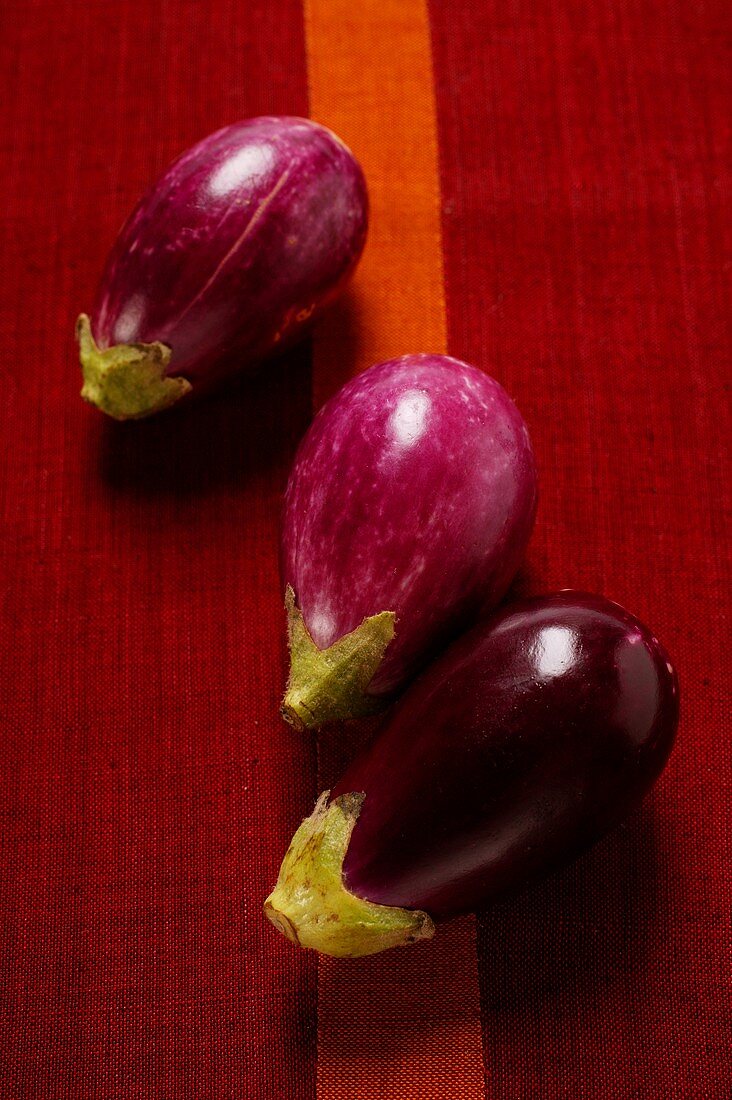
521,746
407,513
227,258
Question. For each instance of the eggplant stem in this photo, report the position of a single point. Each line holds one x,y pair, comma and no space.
127,381
310,904
326,685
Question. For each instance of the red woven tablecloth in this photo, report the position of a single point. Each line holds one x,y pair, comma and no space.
548,187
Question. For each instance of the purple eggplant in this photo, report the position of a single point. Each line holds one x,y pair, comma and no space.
407,513
227,258
529,739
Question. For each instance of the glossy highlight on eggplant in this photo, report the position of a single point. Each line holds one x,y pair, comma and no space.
522,745
407,513
226,260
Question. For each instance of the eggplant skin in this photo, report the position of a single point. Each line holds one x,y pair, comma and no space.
235,249
413,493
527,741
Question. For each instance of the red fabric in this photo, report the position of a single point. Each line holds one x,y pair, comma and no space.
582,184
147,787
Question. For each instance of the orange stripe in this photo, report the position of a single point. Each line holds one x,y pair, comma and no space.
404,1025
369,73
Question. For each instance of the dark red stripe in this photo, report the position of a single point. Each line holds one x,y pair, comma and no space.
581,160
148,787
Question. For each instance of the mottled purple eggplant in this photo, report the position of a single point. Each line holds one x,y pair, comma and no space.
529,739
225,261
407,513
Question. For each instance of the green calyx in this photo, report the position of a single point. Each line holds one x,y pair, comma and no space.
126,381
310,904
326,685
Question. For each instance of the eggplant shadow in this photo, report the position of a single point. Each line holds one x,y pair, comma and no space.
558,960
248,428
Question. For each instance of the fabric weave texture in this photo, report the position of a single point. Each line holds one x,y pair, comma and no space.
148,788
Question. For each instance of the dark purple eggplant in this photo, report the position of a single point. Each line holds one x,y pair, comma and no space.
529,739
226,260
407,514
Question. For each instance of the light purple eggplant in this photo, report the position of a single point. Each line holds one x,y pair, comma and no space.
522,745
407,513
225,261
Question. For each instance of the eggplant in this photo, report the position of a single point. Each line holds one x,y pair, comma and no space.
226,260
407,513
521,746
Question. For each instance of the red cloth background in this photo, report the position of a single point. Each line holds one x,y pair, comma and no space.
583,179
147,786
